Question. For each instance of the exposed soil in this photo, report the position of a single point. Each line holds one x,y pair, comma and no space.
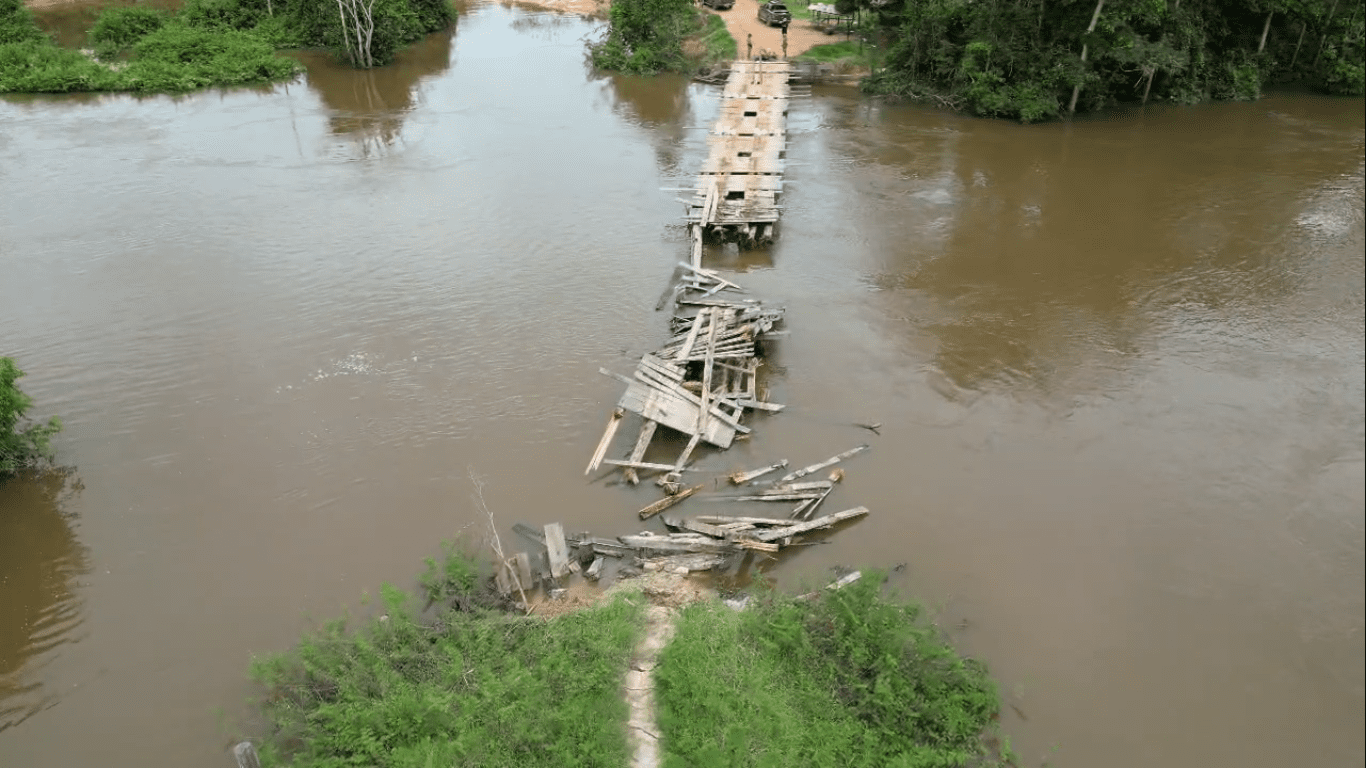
743,20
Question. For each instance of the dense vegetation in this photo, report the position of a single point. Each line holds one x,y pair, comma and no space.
22,445
462,685
1036,59
645,37
847,680
207,43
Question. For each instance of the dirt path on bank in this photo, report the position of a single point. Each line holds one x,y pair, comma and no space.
743,20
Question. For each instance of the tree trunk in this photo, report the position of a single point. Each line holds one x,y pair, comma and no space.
1265,29
1327,25
346,40
1304,27
1149,86
1076,90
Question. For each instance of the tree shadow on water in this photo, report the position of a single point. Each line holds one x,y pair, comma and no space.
370,106
40,562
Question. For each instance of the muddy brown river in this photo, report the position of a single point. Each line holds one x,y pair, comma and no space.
1118,364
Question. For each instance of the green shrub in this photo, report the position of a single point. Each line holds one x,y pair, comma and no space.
17,24
20,446
38,66
119,28
180,58
848,680
645,37
468,688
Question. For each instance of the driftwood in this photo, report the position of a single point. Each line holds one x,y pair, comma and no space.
667,501
740,478
833,460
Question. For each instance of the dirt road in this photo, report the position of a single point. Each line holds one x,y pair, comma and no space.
743,20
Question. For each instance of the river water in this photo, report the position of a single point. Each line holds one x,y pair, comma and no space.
1118,364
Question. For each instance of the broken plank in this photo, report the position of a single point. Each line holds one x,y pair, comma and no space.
668,544
557,550
683,563
773,407
667,501
757,546
647,433
719,520
692,335
767,497
523,564
822,465
594,571
642,465
740,478
529,533
607,435
811,525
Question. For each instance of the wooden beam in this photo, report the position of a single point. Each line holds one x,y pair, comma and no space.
612,423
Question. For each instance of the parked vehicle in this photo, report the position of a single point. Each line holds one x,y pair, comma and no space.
719,5
774,14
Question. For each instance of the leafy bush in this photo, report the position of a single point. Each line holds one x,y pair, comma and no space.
180,58
24,446
645,37
469,688
119,28
41,67
17,24
849,680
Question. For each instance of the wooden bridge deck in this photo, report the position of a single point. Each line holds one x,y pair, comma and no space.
744,168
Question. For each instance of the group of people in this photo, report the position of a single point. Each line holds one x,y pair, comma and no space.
749,42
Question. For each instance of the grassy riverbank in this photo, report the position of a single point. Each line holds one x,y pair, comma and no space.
849,678
205,43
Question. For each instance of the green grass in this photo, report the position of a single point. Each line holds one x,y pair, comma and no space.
468,687
847,680
716,39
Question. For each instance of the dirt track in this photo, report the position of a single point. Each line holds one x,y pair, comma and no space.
743,20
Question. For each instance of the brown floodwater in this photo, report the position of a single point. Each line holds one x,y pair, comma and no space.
1118,364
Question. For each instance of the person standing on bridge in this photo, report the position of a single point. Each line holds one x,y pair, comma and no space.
784,28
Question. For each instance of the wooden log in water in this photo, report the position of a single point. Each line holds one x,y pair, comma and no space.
811,525
557,550
820,465
647,433
740,478
667,501
607,435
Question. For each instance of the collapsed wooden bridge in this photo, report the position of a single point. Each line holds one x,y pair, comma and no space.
705,379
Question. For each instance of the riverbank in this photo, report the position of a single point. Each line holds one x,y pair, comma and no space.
647,672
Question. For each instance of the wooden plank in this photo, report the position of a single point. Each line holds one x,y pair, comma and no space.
522,562
676,390
811,525
667,501
683,563
740,478
529,533
755,404
768,497
557,550
612,423
833,460
692,334
647,433
673,412
666,544
757,546
719,520
641,465
594,571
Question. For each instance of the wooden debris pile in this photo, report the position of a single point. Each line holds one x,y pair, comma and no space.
701,382
698,542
